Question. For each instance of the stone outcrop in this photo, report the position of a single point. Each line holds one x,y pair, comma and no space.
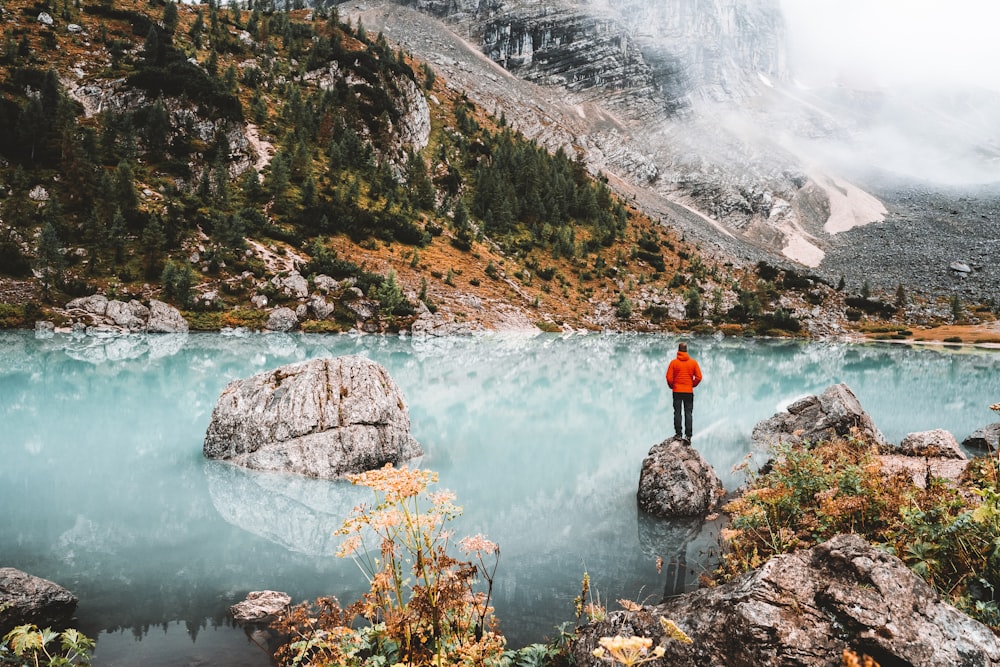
676,481
803,609
25,598
322,418
835,412
102,316
260,606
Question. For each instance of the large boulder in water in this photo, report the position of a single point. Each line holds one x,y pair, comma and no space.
25,598
676,481
835,412
322,418
802,610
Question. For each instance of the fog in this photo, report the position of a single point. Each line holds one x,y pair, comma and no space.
869,43
915,83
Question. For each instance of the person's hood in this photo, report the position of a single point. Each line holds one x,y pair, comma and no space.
682,356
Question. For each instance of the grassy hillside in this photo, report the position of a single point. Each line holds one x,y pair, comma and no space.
200,154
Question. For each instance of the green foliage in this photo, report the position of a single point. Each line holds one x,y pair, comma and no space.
624,307
28,645
391,298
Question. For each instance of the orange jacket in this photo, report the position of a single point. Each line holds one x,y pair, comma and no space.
683,374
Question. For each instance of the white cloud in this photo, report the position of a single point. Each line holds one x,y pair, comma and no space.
888,42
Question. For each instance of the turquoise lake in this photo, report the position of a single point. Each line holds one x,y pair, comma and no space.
104,489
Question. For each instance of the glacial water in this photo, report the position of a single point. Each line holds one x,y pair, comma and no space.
103,487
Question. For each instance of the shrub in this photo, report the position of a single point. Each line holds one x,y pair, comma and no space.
949,536
423,606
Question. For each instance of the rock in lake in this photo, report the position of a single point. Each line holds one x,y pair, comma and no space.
25,598
835,412
985,439
676,481
322,418
803,609
260,606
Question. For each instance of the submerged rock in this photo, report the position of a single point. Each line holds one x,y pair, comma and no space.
803,609
835,412
25,598
676,481
322,418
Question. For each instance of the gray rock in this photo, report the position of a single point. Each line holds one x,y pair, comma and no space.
985,439
362,309
937,443
322,418
293,285
131,316
325,283
44,329
320,307
803,609
259,301
260,606
25,598
960,267
74,28
164,318
281,319
45,19
676,481
301,312
96,304
835,412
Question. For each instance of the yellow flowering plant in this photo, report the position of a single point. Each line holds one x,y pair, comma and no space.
424,606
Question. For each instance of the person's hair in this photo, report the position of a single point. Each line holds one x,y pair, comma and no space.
683,347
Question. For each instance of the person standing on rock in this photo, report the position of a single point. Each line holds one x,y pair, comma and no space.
683,375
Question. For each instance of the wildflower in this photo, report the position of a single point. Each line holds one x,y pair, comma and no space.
628,650
628,605
349,547
995,407
477,543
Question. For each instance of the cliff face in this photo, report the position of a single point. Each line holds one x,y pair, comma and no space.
676,51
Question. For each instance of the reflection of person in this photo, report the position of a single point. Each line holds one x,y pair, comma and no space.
683,375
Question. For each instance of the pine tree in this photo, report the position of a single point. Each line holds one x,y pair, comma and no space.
50,258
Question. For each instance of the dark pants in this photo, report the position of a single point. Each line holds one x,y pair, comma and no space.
687,400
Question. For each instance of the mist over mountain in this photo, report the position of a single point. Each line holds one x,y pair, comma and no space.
710,114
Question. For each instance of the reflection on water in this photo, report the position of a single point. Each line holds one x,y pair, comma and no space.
541,438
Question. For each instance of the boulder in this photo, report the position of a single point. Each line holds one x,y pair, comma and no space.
293,285
25,598
322,418
164,318
320,307
985,439
676,481
260,606
281,319
802,610
937,443
95,304
835,412
131,316
325,283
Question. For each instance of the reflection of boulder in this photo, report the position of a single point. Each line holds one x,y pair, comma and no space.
25,598
295,512
835,412
322,418
805,608
666,541
677,481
